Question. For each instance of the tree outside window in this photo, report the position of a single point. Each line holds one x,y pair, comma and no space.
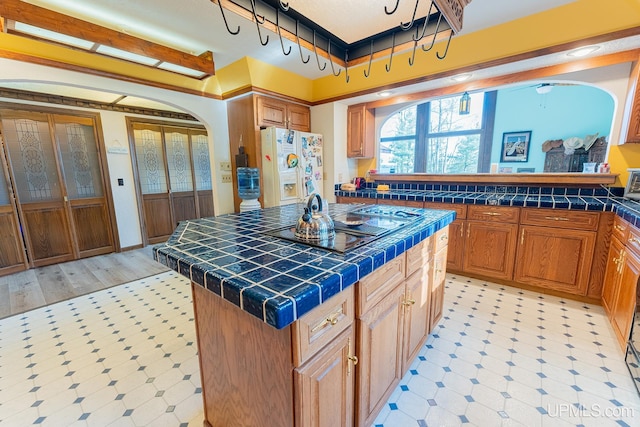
432,137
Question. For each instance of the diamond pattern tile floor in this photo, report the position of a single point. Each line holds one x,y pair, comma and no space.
501,356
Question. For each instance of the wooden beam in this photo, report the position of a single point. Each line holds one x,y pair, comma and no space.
57,22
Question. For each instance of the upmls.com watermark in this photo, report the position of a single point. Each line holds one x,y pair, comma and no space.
593,411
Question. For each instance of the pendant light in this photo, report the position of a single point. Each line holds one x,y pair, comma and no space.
465,103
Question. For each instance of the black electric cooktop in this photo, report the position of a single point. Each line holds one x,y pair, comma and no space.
354,229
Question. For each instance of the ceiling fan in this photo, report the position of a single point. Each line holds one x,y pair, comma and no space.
543,88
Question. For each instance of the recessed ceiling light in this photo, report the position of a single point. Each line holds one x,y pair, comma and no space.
583,51
384,94
462,77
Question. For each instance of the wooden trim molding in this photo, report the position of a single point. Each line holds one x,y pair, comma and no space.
551,179
20,11
96,105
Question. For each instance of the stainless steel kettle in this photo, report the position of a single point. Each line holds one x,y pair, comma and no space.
313,224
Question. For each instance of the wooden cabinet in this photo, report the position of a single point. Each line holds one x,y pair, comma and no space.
393,322
344,199
379,354
631,120
456,233
335,366
556,249
490,247
621,280
437,287
360,132
325,385
279,113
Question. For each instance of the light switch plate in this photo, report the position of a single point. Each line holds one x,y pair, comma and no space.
225,166
226,177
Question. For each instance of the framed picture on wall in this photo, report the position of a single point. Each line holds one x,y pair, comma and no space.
515,146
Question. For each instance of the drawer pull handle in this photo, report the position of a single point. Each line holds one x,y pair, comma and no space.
409,302
619,227
556,218
634,240
444,237
491,213
330,320
353,359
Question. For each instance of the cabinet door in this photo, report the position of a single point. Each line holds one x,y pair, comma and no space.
554,258
417,303
490,249
271,112
626,300
437,287
456,245
379,371
631,122
612,276
325,385
360,132
299,117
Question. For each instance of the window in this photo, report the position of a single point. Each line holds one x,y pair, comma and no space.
432,137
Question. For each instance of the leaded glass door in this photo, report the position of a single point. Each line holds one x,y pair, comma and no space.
12,253
174,176
54,161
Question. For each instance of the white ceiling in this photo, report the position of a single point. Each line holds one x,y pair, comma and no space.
196,26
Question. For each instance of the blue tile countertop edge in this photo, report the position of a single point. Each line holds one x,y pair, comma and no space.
603,199
273,279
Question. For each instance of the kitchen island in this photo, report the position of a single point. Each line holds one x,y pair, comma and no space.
294,335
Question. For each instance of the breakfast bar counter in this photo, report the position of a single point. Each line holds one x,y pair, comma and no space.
290,334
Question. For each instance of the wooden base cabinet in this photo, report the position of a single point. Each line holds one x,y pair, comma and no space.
324,388
491,236
335,366
555,258
394,307
621,279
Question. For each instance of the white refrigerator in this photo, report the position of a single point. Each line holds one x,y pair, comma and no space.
291,166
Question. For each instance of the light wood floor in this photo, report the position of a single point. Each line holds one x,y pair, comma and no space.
42,286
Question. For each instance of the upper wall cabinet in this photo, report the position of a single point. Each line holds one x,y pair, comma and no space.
360,132
632,116
275,112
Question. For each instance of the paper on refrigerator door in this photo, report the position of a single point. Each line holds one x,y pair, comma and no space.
311,153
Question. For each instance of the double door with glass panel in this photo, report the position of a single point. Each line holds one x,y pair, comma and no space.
54,186
174,176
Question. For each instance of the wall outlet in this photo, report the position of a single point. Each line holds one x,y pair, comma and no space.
225,166
226,177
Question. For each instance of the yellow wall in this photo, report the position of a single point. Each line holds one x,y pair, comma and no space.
621,158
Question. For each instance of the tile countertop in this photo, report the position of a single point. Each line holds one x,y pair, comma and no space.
604,199
273,279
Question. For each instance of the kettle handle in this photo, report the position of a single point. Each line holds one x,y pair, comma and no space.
310,202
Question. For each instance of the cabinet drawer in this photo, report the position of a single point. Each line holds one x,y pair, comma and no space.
320,326
441,239
493,213
419,255
578,220
633,241
374,287
620,229
461,210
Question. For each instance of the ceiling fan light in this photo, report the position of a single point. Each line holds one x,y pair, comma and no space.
461,77
465,104
544,88
583,51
